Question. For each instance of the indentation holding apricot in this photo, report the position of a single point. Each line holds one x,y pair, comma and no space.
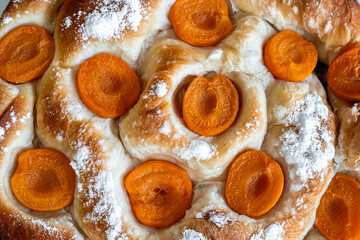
201,23
160,193
343,76
254,185
338,214
43,180
25,54
289,56
107,85
210,106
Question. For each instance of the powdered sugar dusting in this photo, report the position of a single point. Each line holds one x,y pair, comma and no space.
197,149
272,232
45,226
74,109
158,90
189,234
165,128
14,119
295,9
6,20
327,26
252,123
2,132
67,22
218,218
307,143
51,227
99,191
111,17
356,110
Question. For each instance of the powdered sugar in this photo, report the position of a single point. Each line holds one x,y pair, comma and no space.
199,150
295,9
59,138
67,22
272,232
218,218
328,26
6,20
74,109
81,156
103,186
307,143
158,90
311,23
111,17
356,110
165,128
99,191
14,119
189,234
51,230
252,123
2,132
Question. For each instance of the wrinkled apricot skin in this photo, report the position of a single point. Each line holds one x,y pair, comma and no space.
290,57
107,85
254,185
210,106
338,214
343,75
160,193
25,54
43,180
201,23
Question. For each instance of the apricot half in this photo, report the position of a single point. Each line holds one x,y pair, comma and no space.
201,23
254,184
43,180
160,193
338,214
210,106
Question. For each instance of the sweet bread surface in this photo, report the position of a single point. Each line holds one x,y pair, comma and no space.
290,121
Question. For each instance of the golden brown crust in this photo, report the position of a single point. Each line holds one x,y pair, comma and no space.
17,222
101,205
90,143
348,148
17,133
166,63
154,127
79,23
26,12
330,25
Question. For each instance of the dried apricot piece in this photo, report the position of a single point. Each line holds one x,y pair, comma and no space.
43,180
254,184
201,23
210,106
343,76
160,193
289,56
338,214
25,54
107,85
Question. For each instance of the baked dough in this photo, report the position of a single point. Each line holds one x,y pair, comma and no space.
330,25
17,134
292,122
